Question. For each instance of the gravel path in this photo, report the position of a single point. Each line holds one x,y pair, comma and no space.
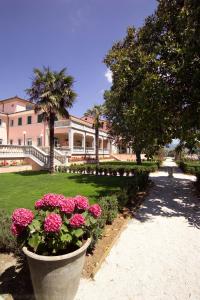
158,255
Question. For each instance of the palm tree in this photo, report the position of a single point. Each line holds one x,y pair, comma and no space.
96,112
52,94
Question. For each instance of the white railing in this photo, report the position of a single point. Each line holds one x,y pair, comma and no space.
58,155
78,149
10,151
62,123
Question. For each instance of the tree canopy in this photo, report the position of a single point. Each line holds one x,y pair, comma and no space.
155,91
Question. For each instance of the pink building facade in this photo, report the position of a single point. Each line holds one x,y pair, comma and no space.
20,125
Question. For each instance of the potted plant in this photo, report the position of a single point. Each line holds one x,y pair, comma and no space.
55,238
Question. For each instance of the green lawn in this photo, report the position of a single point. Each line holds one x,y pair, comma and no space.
23,189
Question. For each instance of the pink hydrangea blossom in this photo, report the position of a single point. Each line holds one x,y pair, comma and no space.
16,229
77,220
22,217
39,204
81,202
52,223
52,200
95,210
67,205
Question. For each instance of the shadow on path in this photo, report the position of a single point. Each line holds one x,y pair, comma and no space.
16,281
171,197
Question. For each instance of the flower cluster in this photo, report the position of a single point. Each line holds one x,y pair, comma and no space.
67,205
81,202
95,210
21,218
52,223
77,220
59,223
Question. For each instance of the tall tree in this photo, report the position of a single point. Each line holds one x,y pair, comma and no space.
52,94
96,112
172,34
135,104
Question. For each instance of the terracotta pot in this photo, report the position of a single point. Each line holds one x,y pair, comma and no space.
56,277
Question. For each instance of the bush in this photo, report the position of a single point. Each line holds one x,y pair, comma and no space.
127,195
190,167
7,241
109,206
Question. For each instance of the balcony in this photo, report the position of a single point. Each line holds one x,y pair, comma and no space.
62,123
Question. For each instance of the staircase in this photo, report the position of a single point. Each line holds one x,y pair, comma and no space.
37,155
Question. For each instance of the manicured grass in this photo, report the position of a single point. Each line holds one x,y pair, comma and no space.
23,189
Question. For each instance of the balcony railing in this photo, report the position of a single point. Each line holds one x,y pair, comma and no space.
78,149
62,123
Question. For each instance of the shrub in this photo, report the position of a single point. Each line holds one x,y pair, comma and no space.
7,241
109,206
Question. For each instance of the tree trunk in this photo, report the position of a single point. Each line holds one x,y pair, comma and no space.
138,157
51,142
97,148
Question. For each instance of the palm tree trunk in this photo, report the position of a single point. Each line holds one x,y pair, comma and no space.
97,145
51,142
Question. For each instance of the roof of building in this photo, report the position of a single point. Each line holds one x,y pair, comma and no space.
88,121
14,99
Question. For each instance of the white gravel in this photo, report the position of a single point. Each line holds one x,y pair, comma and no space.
158,255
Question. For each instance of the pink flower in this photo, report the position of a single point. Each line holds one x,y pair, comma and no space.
52,200
52,223
77,220
22,217
39,204
67,205
81,202
95,210
16,229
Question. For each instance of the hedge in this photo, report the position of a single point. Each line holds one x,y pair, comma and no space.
190,167
107,169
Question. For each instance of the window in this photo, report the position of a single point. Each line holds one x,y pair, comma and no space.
39,141
19,142
29,142
1,142
0,122
29,120
19,121
11,142
11,123
40,118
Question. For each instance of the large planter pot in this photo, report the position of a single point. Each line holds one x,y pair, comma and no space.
56,277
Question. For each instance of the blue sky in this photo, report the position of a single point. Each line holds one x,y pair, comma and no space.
75,34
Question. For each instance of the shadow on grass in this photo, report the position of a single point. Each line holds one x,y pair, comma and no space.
171,197
31,173
16,281
106,184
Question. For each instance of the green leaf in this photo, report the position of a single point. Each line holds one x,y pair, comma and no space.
64,228
85,214
34,241
78,232
66,237
92,220
78,243
36,224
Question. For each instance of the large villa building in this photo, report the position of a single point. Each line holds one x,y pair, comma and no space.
74,137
